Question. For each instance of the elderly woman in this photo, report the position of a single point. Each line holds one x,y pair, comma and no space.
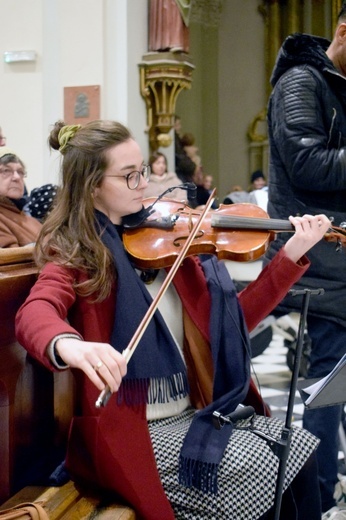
16,227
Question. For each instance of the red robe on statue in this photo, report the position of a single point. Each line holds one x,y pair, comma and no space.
167,30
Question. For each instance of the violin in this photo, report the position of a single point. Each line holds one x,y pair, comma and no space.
133,344
239,232
173,231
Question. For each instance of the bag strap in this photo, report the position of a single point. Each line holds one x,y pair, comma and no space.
31,510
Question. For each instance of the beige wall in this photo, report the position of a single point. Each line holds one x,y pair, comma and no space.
241,87
21,84
78,42
198,107
228,91
88,42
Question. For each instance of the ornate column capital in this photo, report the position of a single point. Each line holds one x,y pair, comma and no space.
163,75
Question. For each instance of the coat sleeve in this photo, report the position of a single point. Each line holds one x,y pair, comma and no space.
44,313
262,295
7,238
300,118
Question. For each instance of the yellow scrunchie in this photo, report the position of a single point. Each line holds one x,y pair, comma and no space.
65,134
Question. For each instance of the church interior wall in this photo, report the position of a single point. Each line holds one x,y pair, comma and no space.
78,43
242,88
94,42
203,123
231,90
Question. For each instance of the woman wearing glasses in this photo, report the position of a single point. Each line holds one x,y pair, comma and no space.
16,227
148,444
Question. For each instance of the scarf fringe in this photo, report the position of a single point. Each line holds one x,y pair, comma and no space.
153,390
198,474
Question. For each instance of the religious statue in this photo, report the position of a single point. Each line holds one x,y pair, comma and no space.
168,25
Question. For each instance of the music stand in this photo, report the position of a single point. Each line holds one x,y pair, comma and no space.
281,447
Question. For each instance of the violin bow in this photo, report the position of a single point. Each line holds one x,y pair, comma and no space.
130,349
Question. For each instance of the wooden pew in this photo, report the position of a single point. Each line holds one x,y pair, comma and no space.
17,275
36,407
69,502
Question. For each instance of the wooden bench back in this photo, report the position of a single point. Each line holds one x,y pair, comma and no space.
35,405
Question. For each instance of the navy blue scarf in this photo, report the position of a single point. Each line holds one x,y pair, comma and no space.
158,359
204,446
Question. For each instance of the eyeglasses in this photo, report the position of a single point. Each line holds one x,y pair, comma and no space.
133,178
8,172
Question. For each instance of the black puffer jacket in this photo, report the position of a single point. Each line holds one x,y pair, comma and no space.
307,132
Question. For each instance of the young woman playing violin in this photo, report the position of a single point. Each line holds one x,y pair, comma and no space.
149,444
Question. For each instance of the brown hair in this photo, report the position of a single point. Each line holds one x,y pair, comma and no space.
188,139
69,235
156,155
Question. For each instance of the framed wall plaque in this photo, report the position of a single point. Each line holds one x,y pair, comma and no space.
81,104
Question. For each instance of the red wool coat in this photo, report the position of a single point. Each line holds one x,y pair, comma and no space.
111,447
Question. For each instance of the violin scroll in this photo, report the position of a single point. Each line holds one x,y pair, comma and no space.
337,235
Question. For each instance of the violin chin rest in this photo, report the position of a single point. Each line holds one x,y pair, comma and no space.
136,219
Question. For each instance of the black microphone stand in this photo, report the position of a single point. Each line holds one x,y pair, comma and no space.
281,447
135,220
285,441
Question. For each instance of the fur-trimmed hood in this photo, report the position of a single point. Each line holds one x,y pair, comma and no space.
302,49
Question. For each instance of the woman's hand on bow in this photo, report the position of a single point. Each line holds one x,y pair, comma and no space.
100,361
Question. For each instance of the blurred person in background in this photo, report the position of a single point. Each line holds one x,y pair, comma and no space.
2,138
16,227
161,180
184,166
259,193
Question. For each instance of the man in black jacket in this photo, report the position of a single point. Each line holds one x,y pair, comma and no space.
307,131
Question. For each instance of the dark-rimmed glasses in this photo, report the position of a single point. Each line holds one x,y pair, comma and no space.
133,178
6,172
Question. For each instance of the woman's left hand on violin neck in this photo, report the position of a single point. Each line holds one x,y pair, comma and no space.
309,230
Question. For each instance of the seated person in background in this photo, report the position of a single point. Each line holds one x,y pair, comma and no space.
208,182
259,193
258,180
42,200
160,179
189,144
236,195
16,227
2,138
149,444
202,193
184,166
